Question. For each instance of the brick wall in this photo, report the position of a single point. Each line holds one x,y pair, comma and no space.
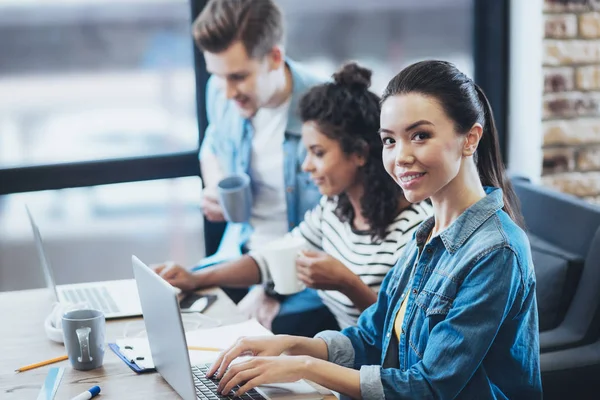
571,101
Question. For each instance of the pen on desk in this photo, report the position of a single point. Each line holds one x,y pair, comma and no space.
42,363
200,348
88,394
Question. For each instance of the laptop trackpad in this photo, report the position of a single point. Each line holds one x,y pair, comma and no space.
290,391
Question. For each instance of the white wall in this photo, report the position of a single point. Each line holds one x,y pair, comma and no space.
526,88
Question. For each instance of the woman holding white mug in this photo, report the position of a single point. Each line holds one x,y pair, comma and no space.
356,232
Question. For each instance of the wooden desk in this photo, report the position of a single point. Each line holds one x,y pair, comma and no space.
23,341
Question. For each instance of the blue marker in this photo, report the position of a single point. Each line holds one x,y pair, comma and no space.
88,394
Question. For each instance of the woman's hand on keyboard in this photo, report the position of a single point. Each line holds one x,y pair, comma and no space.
258,371
250,346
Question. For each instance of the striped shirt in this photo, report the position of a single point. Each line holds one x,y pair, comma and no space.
370,260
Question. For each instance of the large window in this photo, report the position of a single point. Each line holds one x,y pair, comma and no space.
384,35
387,35
94,93
93,80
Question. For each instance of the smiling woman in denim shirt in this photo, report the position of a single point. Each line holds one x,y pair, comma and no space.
457,316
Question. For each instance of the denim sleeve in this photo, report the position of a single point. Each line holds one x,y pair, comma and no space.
367,336
458,344
339,348
360,347
208,144
341,352
365,339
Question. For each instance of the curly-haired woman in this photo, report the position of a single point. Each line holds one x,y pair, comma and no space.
356,232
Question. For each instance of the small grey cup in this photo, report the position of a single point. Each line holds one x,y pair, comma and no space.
235,196
84,336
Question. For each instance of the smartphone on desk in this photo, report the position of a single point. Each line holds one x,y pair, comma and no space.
194,302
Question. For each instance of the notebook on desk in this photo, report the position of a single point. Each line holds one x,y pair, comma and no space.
169,349
138,364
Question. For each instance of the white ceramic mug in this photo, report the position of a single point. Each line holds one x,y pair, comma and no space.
280,256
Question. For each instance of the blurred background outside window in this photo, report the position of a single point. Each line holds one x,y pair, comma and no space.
383,35
95,79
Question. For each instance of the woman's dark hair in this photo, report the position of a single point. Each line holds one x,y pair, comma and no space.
465,103
346,110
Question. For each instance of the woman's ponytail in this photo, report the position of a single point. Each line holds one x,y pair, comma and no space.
489,161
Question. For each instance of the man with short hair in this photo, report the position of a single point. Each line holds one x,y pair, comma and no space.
251,102
251,108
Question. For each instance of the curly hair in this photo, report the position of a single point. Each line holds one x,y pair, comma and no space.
346,110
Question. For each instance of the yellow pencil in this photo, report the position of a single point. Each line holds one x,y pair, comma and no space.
204,348
42,363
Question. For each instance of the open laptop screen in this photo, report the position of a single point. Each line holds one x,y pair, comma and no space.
48,275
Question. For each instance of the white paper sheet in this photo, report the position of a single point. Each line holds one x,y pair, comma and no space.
221,337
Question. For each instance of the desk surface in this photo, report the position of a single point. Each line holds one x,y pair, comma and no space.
23,341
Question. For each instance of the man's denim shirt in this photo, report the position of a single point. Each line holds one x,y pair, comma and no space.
471,326
229,137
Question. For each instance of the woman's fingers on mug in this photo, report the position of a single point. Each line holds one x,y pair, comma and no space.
302,260
304,276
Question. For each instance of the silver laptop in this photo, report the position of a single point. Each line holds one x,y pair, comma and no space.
168,347
116,299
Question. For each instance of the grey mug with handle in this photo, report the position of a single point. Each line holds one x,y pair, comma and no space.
235,196
84,337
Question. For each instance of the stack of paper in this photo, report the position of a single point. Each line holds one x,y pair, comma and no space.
222,337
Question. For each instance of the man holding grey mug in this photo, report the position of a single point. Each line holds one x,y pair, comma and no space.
252,153
251,101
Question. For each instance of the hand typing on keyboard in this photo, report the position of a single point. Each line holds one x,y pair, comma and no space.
206,388
261,346
246,375
267,364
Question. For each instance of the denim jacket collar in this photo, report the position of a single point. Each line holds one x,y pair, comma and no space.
299,87
460,230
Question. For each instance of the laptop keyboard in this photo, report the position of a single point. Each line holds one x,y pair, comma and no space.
97,297
206,388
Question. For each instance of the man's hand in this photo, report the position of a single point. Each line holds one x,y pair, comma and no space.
176,275
212,208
